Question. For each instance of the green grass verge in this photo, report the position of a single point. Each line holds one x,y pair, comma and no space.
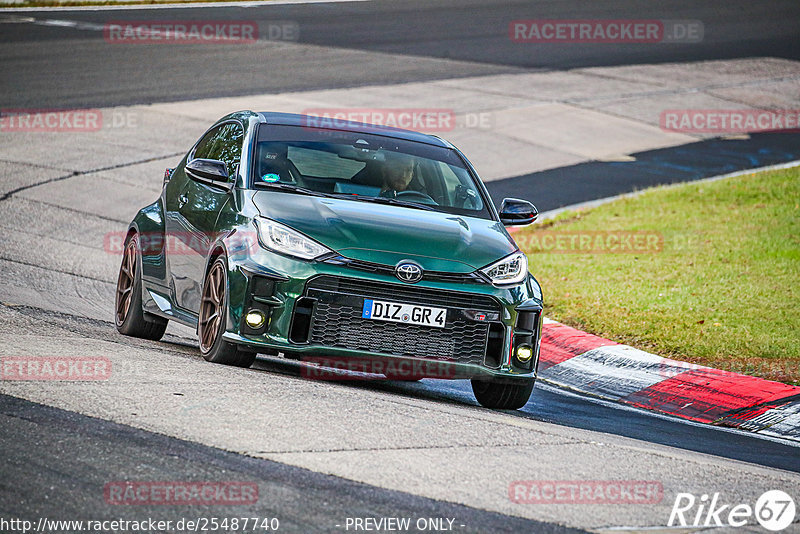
721,287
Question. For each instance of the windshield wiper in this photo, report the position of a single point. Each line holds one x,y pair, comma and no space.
290,187
394,202
380,200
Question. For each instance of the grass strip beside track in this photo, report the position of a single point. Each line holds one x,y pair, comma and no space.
709,274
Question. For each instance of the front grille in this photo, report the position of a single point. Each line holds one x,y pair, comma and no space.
431,276
404,292
337,320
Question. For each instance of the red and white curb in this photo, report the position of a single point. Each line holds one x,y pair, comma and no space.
602,368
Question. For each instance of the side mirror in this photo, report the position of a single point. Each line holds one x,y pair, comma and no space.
210,171
516,212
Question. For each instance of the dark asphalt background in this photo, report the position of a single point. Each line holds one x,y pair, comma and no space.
555,188
50,66
56,66
56,464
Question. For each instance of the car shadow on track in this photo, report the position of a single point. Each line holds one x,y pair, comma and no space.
553,406
448,391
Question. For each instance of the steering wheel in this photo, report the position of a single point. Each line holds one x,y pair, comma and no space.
416,195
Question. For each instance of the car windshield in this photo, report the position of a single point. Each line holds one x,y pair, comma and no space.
365,167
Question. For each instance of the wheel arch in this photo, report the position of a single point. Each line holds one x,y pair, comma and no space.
149,225
235,283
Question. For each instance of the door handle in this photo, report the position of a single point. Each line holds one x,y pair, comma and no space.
183,199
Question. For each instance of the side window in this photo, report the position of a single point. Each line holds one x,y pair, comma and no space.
224,144
206,144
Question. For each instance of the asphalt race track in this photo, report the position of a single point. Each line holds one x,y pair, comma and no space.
352,44
587,181
323,452
36,436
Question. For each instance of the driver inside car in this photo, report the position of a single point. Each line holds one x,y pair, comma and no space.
397,172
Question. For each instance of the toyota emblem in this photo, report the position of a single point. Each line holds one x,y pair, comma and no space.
408,272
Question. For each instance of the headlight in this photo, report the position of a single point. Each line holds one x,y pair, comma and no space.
510,270
280,238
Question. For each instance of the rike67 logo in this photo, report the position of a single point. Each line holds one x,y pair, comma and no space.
774,510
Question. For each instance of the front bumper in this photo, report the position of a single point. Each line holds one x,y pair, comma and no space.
313,312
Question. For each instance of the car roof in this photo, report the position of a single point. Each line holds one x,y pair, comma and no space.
294,119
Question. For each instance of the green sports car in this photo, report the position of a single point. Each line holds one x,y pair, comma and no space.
349,246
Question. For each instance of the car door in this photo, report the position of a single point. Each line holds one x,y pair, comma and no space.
193,210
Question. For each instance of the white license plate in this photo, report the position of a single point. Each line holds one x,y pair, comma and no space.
380,310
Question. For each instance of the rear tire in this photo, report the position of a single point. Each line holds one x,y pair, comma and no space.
129,317
212,320
502,395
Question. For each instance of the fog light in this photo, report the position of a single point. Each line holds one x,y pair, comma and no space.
524,353
255,319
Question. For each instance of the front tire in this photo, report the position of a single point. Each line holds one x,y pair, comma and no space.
129,317
502,395
212,320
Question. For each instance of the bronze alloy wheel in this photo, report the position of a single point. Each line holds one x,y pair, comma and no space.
212,306
129,314
126,281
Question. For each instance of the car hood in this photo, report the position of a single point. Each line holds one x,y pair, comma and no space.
386,234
